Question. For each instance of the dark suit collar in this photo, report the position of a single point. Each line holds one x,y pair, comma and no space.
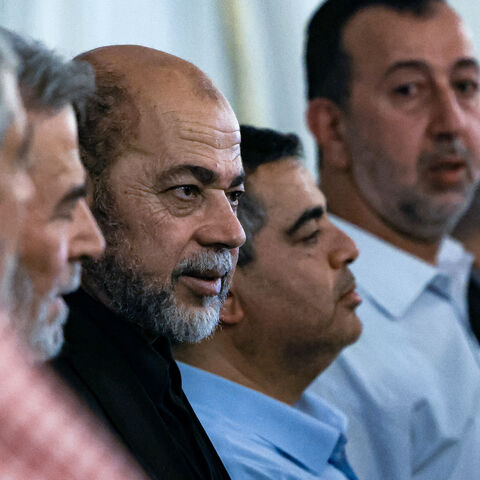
138,387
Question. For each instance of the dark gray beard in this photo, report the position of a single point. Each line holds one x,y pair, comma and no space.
152,307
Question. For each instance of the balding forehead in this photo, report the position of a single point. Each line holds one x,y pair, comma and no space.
147,72
124,56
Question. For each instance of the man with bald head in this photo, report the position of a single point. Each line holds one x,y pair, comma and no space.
161,147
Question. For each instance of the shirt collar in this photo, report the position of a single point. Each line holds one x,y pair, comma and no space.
308,437
393,278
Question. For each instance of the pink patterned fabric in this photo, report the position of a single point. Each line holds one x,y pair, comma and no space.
44,432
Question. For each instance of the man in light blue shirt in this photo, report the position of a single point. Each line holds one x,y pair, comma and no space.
394,106
290,311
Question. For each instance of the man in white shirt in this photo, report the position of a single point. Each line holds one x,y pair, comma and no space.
395,109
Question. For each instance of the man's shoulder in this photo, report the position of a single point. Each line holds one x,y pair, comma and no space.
257,436
246,453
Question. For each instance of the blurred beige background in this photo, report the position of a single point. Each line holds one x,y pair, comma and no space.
252,49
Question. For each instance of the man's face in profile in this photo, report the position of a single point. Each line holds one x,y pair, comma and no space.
297,293
59,231
16,187
174,247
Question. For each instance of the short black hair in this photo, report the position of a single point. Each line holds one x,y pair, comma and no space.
258,147
328,65
48,82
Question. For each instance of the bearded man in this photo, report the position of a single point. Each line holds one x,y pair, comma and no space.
161,147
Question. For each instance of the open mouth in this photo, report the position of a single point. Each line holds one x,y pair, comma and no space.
449,171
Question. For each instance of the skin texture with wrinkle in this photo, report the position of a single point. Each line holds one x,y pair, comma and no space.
174,190
402,159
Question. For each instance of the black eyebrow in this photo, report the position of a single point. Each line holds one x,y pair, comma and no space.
306,216
238,180
412,64
202,174
467,62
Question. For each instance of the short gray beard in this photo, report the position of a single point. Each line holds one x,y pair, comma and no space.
32,315
154,307
46,334
120,277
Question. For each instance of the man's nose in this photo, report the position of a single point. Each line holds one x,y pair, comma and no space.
221,226
447,115
87,239
343,251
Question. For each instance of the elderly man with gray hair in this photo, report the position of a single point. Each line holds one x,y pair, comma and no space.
44,433
15,185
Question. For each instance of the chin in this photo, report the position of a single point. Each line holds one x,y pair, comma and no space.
352,330
47,337
190,324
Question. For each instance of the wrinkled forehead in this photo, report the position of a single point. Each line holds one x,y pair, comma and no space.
210,123
195,136
381,35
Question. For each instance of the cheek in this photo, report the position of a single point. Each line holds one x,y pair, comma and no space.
388,141
157,248
11,214
45,257
473,140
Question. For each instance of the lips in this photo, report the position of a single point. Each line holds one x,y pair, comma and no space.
447,171
349,295
206,284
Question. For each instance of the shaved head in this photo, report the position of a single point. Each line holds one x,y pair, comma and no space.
142,65
130,80
158,128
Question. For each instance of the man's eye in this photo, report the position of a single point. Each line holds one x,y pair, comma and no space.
407,90
186,192
311,239
466,88
235,196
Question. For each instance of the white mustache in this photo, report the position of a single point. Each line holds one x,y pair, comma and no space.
218,263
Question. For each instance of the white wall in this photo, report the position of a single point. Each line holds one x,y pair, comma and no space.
252,49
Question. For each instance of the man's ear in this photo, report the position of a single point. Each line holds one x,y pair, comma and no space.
325,121
232,311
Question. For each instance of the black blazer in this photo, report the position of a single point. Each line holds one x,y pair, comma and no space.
136,389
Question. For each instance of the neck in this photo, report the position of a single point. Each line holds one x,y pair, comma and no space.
345,201
284,381
472,243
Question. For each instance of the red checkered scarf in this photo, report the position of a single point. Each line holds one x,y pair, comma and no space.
44,432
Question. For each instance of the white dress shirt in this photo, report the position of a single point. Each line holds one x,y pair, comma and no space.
411,384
